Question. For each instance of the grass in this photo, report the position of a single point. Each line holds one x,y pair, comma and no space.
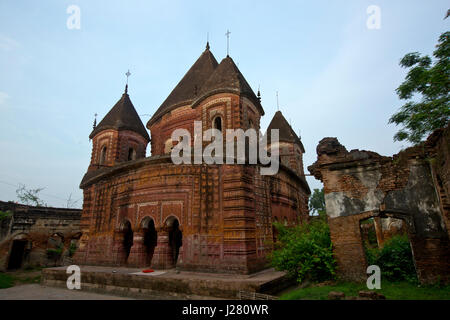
25,276
391,290
6,280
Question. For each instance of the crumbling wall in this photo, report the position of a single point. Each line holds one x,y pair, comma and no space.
361,184
35,226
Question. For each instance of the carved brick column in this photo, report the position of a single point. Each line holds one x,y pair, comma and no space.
138,253
180,260
118,249
163,257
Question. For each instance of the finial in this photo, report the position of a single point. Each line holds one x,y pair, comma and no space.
278,105
259,95
207,41
228,42
95,121
126,86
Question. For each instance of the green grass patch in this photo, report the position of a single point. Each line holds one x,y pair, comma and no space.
391,290
6,280
25,276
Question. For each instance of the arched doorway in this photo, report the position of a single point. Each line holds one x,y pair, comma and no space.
175,238
19,252
150,238
386,240
127,238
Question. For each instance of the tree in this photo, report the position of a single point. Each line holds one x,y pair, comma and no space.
29,196
317,202
70,202
431,81
305,251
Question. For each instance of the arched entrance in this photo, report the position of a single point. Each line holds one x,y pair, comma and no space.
18,252
387,242
127,238
175,238
150,238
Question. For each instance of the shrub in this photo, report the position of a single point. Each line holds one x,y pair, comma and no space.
394,259
72,249
5,214
54,254
305,251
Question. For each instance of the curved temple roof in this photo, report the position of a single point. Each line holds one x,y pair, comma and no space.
188,88
286,133
204,78
122,116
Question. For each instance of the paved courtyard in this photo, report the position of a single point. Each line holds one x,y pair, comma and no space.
38,292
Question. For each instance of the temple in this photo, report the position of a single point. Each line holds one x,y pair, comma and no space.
145,211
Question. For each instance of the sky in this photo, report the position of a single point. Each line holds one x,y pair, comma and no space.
335,76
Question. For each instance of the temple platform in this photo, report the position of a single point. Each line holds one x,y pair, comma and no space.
169,284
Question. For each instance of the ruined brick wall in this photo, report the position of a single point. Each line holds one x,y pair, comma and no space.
362,184
439,142
36,225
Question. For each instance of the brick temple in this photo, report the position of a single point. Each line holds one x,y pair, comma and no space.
145,211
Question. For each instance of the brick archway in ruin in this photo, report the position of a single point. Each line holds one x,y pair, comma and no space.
362,184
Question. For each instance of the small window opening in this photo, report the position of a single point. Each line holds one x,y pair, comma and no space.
218,123
103,155
131,154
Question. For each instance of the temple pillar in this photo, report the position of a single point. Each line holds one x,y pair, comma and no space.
118,248
138,252
163,256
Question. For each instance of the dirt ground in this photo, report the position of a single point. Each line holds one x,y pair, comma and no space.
38,292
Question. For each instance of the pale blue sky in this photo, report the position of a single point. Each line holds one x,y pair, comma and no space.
335,77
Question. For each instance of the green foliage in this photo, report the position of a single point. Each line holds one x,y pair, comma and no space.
371,254
394,259
391,290
432,83
72,249
317,202
30,196
5,214
54,253
305,251
6,280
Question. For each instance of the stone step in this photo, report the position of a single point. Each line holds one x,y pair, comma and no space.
182,285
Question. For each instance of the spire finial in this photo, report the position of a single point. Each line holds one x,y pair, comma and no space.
95,121
228,42
127,74
259,94
207,41
278,105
